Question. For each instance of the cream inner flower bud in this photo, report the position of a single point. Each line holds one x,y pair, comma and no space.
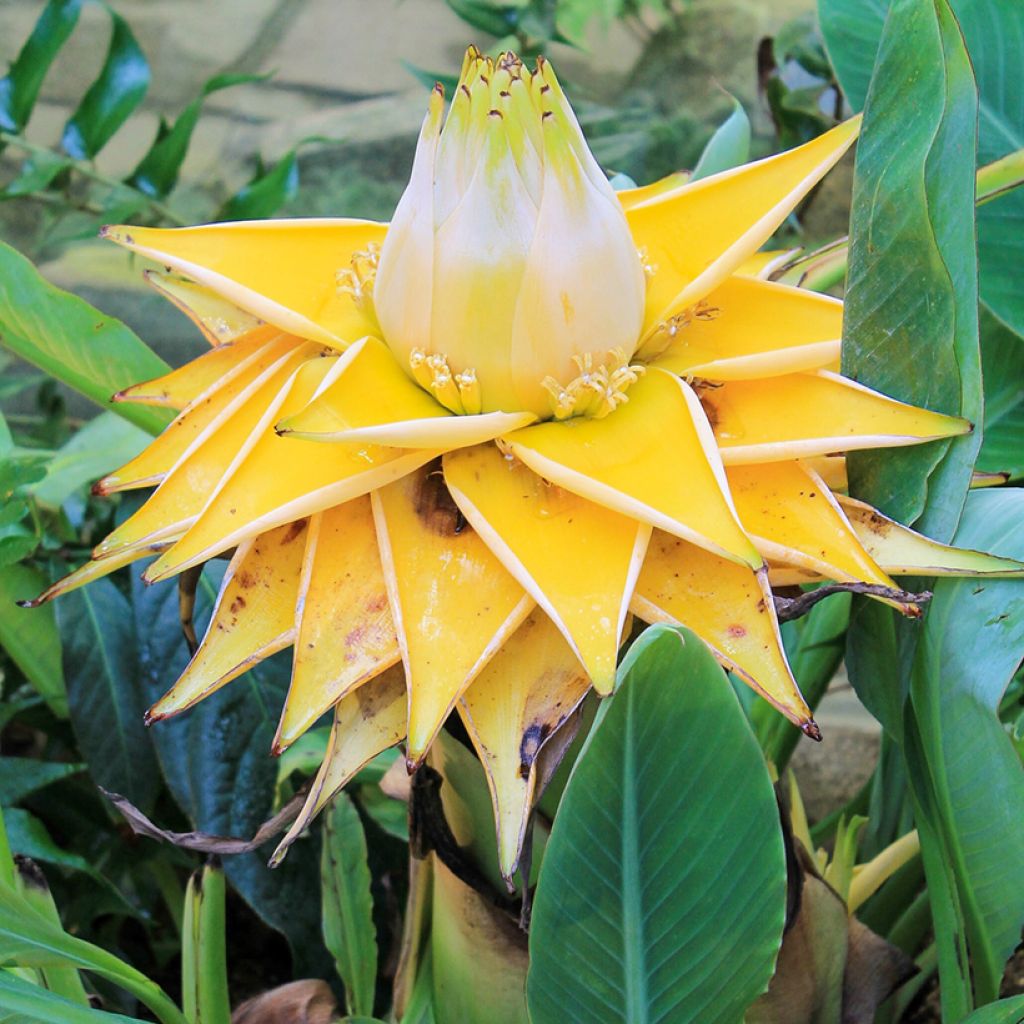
509,262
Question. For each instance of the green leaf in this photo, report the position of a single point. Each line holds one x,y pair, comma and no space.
103,444
105,695
345,881
1006,1011
1002,360
994,32
19,90
662,892
36,174
972,643
267,191
30,635
36,1004
30,940
911,298
728,147
494,19
28,836
20,776
110,100
67,338
157,172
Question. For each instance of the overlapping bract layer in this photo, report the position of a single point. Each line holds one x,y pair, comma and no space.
498,558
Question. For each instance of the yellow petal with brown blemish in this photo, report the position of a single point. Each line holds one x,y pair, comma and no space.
794,519
346,635
366,722
95,569
453,603
220,321
254,617
519,700
902,551
729,607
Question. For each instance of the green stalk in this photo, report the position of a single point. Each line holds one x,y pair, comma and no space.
1000,177
87,170
204,978
211,963
189,923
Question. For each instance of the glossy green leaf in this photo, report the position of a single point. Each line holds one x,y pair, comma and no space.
494,19
216,761
103,444
911,297
345,881
1006,1011
266,192
110,100
30,635
69,339
728,147
105,695
20,776
28,939
157,172
662,893
972,643
28,836
1002,359
994,31
33,1003
19,89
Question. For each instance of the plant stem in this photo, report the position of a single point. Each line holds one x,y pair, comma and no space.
88,170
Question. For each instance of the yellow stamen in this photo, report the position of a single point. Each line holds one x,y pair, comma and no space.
598,390
357,278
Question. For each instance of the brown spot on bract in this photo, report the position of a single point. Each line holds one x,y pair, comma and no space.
294,531
237,605
736,631
529,747
434,504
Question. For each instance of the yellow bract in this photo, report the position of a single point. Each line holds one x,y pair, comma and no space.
476,440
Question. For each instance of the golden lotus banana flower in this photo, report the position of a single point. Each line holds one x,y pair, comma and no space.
453,455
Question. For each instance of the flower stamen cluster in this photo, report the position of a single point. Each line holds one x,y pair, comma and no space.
457,392
358,277
599,389
665,334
